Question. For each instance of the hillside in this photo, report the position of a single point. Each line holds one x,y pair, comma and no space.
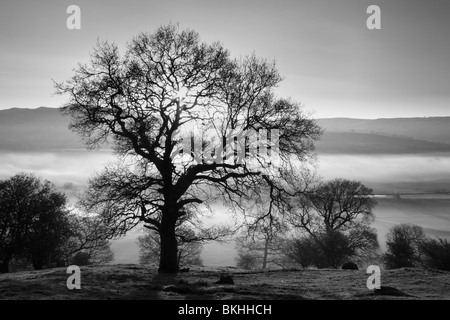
139,282
384,136
36,129
46,128
366,143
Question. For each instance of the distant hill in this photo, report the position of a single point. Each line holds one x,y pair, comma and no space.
46,128
389,136
36,129
366,143
434,129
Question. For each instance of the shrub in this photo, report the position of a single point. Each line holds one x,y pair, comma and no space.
403,243
325,250
436,253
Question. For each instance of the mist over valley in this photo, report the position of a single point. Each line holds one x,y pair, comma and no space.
407,166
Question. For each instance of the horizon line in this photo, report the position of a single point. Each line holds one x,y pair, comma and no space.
320,118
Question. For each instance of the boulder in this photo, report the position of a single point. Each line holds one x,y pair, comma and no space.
350,266
225,280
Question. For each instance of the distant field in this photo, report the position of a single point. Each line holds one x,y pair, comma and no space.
391,173
431,214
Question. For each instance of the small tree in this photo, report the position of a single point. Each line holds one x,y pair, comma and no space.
340,204
363,241
337,215
403,243
88,241
262,235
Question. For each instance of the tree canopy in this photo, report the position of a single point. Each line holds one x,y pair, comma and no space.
403,242
37,227
33,220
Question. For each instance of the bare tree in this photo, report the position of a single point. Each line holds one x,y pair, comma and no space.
261,239
259,251
88,241
147,102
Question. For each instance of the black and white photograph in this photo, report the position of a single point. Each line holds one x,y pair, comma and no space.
235,152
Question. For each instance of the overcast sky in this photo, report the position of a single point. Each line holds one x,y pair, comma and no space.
332,63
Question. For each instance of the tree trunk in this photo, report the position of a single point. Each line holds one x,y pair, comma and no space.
168,262
266,251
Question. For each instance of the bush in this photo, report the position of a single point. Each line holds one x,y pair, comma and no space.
436,253
336,248
247,260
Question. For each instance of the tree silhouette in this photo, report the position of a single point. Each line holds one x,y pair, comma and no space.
167,89
33,220
49,229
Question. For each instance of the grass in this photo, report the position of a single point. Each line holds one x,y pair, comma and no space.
144,283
